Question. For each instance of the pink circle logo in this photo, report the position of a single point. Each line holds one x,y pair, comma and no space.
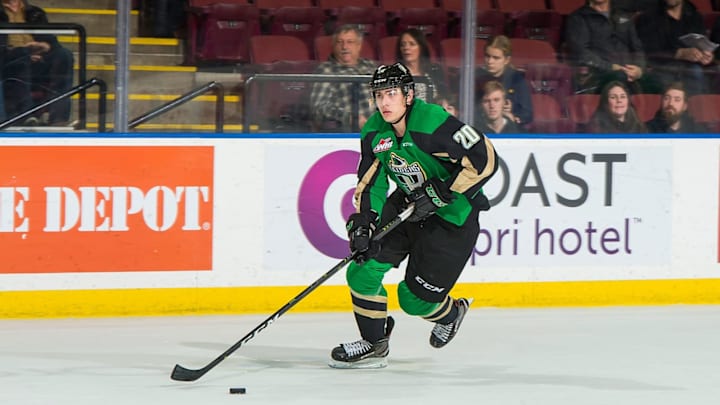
311,200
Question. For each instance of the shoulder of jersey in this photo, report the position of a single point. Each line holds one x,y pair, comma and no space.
428,111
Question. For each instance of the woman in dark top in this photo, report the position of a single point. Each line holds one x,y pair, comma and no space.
615,113
413,50
498,55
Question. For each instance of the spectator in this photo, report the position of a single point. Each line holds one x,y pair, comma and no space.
604,46
3,45
715,75
34,61
615,113
715,37
632,6
413,51
498,66
493,119
331,102
673,116
660,29
448,102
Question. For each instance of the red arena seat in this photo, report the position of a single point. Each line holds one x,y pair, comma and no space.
305,23
581,108
704,108
221,32
544,25
549,116
514,6
526,51
646,105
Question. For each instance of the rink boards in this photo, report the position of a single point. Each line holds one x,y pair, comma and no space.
174,224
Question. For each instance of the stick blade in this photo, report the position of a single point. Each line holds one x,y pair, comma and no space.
181,373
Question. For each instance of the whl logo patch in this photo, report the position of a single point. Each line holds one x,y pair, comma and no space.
383,146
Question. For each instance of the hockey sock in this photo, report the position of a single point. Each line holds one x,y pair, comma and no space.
370,315
445,312
369,297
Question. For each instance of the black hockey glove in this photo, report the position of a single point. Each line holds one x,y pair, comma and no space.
360,228
433,194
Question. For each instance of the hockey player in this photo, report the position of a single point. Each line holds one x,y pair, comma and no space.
439,164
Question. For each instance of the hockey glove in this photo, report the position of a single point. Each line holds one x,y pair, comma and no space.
433,194
360,228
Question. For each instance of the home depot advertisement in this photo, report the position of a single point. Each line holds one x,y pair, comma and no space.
66,209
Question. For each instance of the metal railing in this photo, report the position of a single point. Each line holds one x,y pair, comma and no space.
356,80
102,103
60,29
219,105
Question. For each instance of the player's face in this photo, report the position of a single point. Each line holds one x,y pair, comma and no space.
347,48
495,61
618,102
390,103
492,104
409,48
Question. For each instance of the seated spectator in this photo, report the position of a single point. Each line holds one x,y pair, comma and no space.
492,119
615,113
715,37
3,45
673,116
331,102
498,66
660,29
413,51
34,62
632,6
449,103
604,46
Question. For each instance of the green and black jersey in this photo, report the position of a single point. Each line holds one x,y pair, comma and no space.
435,144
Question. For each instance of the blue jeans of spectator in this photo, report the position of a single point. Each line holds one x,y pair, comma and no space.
692,75
51,76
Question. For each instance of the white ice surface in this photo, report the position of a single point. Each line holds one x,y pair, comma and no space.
635,355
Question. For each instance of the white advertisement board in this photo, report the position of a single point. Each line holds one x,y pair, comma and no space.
564,210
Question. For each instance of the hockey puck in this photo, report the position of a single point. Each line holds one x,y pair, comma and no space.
237,390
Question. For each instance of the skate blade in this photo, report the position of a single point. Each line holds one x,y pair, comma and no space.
375,362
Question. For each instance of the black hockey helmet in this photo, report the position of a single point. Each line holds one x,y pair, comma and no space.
389,76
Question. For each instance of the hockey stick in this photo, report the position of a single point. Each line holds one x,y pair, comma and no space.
181,373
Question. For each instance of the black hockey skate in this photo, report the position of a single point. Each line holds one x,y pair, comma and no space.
363,354
443,334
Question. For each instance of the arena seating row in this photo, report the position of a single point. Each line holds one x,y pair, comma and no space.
558,109
284,106
219,30
265,49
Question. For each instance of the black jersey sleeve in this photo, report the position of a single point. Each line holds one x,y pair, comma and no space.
473,156
372,186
